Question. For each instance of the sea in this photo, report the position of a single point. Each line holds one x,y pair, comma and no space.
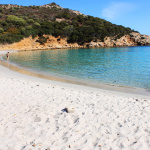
125,66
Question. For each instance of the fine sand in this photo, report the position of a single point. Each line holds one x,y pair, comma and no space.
41,114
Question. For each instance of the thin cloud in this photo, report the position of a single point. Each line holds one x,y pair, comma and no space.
115,10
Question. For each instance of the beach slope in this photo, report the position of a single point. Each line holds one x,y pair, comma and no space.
42,114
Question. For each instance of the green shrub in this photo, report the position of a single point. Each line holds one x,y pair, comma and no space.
36,25
29,27
1,30
30,21
1,15
1,9
16,20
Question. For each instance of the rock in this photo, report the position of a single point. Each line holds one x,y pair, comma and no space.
134,39
70,109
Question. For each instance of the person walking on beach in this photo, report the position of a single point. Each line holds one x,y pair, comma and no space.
7,55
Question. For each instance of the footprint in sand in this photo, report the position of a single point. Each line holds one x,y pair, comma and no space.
37,119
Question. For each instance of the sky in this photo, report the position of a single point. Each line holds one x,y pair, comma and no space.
128,13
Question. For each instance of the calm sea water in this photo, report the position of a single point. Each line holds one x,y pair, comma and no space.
119,66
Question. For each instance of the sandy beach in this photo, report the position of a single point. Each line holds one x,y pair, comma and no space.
41,114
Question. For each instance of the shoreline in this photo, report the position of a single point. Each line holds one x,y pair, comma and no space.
61,43
70,80
33,115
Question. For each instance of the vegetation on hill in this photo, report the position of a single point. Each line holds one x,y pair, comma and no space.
17,22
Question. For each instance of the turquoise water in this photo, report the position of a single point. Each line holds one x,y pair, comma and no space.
128,66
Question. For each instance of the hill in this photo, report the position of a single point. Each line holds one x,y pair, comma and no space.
19,22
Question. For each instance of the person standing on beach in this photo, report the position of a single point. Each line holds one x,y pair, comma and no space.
7,55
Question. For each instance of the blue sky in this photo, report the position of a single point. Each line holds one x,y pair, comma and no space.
129,13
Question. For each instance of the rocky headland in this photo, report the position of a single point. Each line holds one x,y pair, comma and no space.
49,23
134,39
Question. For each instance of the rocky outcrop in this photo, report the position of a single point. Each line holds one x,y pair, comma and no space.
140,39
111,42
32,44
134,39
51,5
8,6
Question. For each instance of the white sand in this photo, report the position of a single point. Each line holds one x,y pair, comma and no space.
31,116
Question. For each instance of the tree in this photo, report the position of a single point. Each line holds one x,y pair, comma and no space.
68,30
47,27
57,32
1,30
73,39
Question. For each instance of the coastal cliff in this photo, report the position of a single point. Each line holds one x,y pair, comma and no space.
134,39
